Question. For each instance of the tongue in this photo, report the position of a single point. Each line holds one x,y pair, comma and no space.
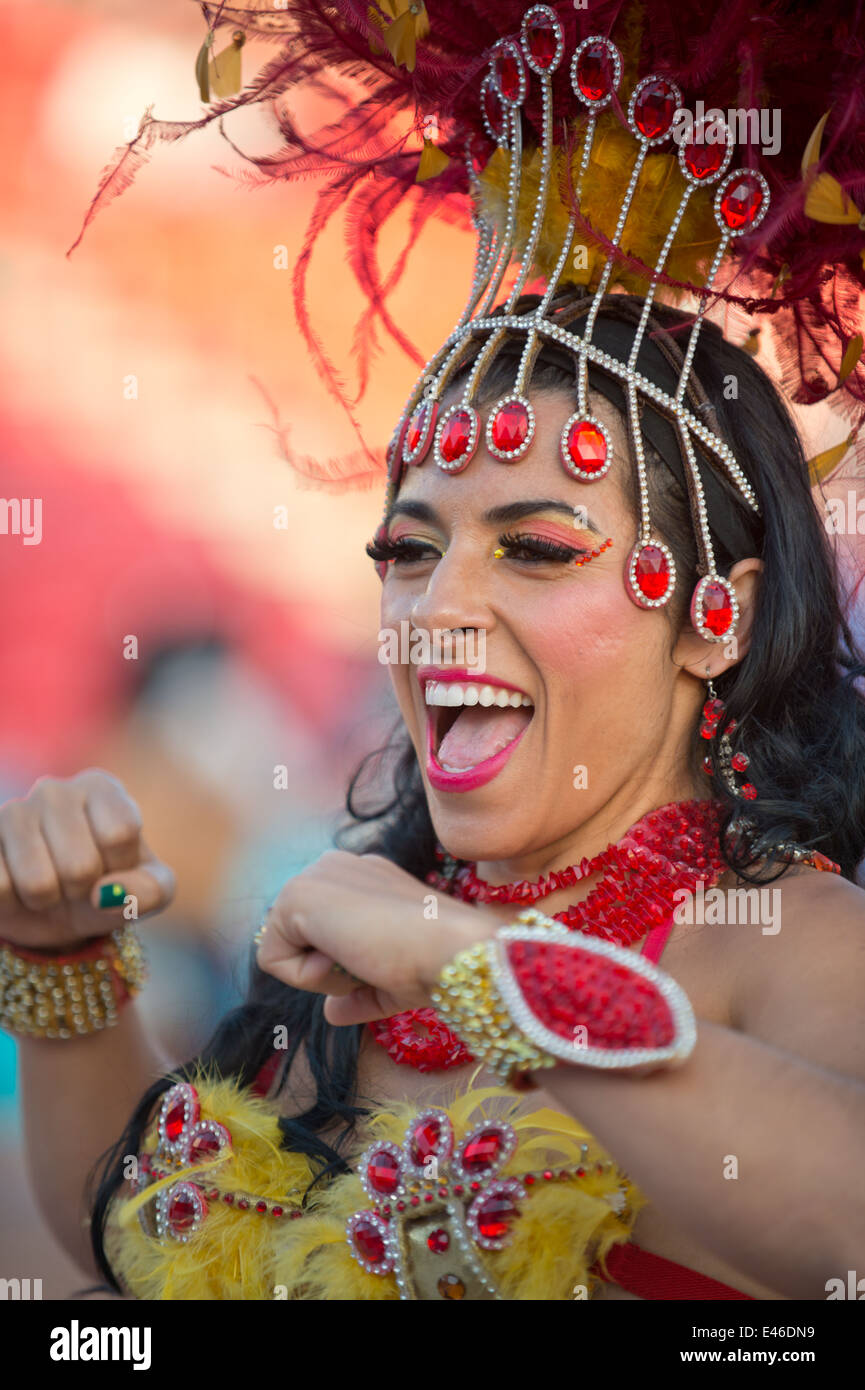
478,733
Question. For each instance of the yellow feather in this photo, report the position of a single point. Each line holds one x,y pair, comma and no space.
563,1226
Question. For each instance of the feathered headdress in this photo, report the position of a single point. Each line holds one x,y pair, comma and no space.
554,127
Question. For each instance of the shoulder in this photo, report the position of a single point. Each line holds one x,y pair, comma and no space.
800,979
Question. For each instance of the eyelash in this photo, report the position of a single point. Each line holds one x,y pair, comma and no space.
535,550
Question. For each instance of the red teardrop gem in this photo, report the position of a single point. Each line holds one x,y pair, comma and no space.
369,1241
495,1214
702,160
508,74
415,428
595,71
483,1151
510,426
424,1141
742,201
717,610
494,110
456,436
174,1121
383,1173
541,41
587,447
655,108
652,572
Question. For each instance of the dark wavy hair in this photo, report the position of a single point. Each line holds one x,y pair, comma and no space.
794,696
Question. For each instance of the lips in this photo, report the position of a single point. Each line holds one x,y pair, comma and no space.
473,726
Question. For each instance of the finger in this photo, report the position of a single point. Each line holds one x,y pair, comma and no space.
73,850
115,821
363,1005
133,893
31,869
309,970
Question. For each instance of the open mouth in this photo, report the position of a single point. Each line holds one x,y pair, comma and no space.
473,727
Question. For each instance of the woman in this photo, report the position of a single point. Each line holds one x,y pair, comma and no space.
574,1120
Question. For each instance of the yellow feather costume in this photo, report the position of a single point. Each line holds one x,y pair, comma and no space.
564,1226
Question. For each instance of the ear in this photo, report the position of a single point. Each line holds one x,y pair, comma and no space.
701,658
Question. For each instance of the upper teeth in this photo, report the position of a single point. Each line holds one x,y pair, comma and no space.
453,693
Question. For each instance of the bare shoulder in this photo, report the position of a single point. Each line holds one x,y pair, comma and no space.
801,983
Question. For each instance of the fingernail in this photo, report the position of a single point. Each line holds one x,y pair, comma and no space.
111,895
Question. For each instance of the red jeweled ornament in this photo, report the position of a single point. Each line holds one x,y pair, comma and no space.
542,40
594,72
703,160
566,987
207,1140
712,607
740,761
508,73
438,1241
369,1240
490,1216
420,432
585,447
459,438
673,848
383,1173
651,569
654,108
510,425
741,202
483,1151
749,791
425,1141
174,1121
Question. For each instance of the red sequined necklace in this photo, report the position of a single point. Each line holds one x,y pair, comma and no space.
670,849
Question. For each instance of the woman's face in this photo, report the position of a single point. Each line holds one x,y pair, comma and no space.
595,718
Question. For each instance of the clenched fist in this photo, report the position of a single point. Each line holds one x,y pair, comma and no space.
71,855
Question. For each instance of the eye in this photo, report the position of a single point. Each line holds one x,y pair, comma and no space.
404,551
537,549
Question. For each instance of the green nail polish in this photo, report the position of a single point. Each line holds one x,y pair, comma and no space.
111,895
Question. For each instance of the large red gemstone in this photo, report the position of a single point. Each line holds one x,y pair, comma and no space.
716,609
495,1214
369,1241
484,1151
655,108
508,74
204,1145
541,41
494,110
742,201
174,1121
438,1241
652,572
383,1173
510,426
415,428
703,160
424,1141
456,436
182,1212
595,71
587,447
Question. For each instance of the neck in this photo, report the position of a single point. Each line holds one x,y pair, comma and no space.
601,828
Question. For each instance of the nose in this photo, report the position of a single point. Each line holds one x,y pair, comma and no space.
457,595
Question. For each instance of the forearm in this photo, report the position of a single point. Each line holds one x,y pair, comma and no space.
794,1216
77,1097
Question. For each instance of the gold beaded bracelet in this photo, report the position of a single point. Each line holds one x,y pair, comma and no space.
468,1001
69,995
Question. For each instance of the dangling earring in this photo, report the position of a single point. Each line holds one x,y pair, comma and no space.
728,761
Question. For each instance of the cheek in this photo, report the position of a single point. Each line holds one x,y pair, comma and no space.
597,642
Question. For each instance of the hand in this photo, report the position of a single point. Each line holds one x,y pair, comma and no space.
363,914
59,846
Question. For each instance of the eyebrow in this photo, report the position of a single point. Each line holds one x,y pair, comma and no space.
495,516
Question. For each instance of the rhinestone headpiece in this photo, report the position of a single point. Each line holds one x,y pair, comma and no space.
740,203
